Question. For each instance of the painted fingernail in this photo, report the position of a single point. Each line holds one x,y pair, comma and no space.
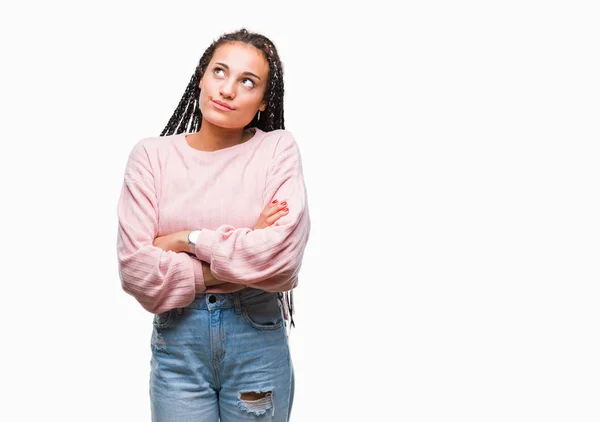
285,210
274,202
284,203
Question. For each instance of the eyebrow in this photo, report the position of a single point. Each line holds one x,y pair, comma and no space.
245,73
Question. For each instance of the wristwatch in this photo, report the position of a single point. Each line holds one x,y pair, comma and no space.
192,237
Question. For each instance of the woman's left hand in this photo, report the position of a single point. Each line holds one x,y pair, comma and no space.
176,242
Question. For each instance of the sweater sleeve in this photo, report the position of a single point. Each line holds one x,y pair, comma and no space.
159,280
269,258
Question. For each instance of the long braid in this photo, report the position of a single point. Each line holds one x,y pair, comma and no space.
187,117
176,118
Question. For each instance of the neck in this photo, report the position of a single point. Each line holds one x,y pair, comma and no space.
212,138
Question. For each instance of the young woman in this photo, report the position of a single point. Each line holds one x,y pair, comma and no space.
213,223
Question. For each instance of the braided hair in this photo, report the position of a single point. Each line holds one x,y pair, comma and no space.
187,117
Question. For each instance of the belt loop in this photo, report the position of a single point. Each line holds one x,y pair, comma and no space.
237,303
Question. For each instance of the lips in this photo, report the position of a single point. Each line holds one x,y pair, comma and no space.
222,104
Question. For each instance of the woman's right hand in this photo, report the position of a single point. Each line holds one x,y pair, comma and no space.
272,212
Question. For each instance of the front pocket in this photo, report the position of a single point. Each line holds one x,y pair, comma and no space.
163,320
266,315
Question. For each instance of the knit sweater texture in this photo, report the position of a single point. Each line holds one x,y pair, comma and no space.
169,186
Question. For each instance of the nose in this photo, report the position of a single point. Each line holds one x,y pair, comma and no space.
227,89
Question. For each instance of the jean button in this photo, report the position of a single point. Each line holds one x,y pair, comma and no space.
212,299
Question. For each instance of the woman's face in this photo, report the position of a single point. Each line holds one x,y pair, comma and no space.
236,77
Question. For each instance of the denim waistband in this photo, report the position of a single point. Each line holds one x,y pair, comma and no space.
230,300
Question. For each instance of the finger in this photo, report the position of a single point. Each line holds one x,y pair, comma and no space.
277,216
280,207
273,208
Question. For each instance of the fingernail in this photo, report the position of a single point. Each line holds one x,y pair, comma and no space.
274,202
284,203
285,210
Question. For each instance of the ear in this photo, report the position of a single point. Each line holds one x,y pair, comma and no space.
263,107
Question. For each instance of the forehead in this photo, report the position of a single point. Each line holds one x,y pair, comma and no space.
241,57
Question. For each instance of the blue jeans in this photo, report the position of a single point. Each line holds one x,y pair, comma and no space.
206,355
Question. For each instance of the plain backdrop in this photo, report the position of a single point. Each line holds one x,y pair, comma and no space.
450,152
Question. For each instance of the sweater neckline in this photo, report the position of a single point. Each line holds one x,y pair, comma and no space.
198,152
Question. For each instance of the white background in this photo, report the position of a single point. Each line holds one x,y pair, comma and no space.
451,159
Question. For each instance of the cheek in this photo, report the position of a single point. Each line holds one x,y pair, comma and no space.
252,102
205,95
208,86
205,90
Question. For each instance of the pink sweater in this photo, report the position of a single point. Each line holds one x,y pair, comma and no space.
169,187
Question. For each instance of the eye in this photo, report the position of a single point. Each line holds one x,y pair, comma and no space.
218,69
251,82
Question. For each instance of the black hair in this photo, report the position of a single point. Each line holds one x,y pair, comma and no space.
187,117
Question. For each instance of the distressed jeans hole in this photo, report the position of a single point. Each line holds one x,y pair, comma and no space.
256,402
252,396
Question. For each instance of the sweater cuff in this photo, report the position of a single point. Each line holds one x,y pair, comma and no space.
198,276
204,244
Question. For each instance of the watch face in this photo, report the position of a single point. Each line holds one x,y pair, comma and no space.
193,236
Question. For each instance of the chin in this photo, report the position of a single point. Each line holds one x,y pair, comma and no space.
224,122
